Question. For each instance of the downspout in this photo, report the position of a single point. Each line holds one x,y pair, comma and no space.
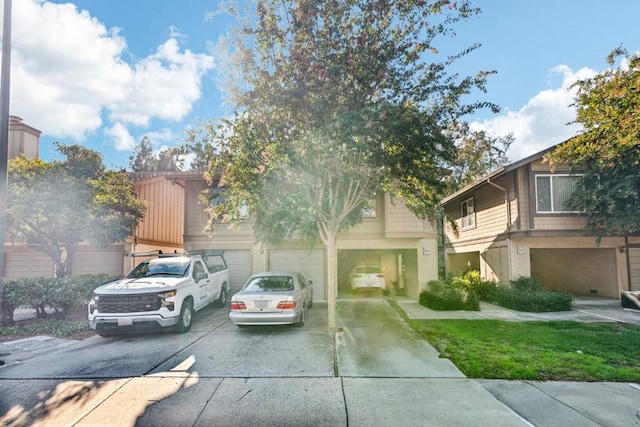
508,207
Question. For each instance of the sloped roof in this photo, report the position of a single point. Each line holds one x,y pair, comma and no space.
190,175
496,173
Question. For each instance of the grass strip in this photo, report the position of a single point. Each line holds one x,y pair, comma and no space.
557,350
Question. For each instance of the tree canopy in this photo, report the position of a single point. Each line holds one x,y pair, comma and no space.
334,102
144,159
477,153
607,151
54,206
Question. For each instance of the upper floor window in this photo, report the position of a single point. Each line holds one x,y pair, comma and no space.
217,198
468,213
370,207
553,192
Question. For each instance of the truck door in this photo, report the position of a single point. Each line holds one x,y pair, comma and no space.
203,282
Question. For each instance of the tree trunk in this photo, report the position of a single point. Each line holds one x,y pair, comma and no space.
332,277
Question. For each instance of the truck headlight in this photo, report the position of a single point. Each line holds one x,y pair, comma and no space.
93,304
164,296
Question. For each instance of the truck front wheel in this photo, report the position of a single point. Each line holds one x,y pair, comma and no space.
186,317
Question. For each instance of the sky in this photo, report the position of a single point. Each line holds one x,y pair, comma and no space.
106,73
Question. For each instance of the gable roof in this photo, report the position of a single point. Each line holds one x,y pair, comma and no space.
496,173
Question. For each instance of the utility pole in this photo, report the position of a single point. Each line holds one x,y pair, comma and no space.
4,136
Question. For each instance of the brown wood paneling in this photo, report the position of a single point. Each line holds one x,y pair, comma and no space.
577,271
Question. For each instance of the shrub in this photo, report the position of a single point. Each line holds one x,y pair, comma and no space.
533,301
471,281
524,283
61,294
447,296
436,285
450,299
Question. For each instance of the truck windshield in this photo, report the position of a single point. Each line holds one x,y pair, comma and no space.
166,267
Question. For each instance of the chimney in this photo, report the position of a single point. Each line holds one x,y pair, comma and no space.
23,139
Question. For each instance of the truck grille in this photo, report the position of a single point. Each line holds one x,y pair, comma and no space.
129,303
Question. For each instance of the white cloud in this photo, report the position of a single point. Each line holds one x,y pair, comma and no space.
165,138
69,77
543,120
164,85
120,137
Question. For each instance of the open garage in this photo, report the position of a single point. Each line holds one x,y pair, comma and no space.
399,267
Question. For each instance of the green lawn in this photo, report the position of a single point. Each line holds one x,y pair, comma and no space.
561,350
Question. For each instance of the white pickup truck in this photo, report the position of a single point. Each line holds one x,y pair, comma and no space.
164,291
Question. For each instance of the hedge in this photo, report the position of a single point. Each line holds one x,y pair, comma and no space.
61,294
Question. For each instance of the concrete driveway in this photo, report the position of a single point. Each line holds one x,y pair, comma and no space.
376,372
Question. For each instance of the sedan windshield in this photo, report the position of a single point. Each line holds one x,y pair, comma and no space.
269,284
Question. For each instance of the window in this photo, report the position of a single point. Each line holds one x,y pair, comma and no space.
197,269
370,207
553,192
468,214
217,198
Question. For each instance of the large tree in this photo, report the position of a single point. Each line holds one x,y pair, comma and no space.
607,151
54,206
144,159
477,153
335,101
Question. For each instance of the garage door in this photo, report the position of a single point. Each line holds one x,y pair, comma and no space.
27,264
93,262
309,262
634,266
577,271
239,263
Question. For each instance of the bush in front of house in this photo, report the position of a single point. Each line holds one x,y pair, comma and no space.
443,296
61,294
525,295
525,284
471,281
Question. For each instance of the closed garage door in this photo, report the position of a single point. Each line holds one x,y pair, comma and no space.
93,262
309,262
239,263
634,267
577,271
27,264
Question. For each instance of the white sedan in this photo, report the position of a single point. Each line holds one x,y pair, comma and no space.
272,298
367,277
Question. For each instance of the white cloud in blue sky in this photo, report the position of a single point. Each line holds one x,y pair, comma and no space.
106,73
546,119
73,78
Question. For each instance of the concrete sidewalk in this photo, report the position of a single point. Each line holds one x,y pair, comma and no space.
585,309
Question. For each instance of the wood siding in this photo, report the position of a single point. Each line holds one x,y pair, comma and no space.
492,215
164,219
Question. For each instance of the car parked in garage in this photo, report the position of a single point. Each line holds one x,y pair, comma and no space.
367,277
272,298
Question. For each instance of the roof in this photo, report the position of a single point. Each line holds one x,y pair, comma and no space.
170,175
496,173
